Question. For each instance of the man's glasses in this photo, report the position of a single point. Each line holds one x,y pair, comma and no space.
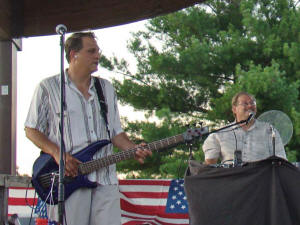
245,104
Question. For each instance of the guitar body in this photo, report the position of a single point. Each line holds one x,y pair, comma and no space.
44,165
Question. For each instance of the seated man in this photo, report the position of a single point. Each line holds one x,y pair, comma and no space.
253,139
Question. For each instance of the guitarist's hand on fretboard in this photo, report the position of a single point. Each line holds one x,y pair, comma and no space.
142,152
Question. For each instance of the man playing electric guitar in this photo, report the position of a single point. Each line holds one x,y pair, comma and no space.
83,125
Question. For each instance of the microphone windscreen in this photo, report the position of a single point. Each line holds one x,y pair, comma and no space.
251,116
61,29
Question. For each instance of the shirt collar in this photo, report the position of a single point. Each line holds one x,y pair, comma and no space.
68,80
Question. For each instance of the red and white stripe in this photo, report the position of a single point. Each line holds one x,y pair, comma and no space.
18,203
142,202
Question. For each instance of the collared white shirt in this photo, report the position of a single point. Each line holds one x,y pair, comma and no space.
83,123
255,143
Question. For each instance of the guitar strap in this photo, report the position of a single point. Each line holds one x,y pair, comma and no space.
102,102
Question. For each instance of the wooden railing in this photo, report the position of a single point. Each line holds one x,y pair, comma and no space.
7,181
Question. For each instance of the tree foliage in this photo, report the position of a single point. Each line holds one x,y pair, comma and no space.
190,63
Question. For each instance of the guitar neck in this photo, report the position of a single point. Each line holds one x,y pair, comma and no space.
93,165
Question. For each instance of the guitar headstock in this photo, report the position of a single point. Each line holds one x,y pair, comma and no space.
193,133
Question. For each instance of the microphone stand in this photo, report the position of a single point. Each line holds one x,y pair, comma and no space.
61,30
231,125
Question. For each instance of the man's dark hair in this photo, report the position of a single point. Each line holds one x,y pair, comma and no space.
74,42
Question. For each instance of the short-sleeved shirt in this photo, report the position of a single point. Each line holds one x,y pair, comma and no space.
83,123
255,143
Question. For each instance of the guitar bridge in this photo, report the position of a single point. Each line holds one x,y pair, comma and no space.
48,179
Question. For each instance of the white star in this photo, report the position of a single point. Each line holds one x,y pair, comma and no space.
177,181
178,202
184,198
180,193
172,207
183,206
175,188
174,197
181,185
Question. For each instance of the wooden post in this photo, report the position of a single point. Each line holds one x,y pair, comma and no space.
8,102
3,201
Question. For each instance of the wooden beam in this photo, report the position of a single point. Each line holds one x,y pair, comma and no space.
5,19
17,23
41,17
15,181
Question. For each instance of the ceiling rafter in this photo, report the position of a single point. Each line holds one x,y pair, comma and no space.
27,18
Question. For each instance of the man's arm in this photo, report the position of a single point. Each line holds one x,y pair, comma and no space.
211,148
121,141
47,146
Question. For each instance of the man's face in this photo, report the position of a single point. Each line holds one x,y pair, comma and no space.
88,57
244,106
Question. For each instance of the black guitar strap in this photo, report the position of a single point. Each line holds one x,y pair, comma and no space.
103,105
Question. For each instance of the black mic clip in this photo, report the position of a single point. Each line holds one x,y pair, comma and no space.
251,116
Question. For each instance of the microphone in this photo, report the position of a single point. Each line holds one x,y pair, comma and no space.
61,29
251,116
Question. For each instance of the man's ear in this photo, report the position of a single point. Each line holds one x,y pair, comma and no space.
73,54
233,108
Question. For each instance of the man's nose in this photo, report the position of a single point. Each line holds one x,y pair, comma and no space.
97,55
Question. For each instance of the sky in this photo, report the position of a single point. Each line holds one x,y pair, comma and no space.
40,58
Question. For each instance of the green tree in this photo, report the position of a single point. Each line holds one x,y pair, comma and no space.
165,163
190,63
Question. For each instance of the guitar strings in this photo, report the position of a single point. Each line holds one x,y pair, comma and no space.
51,203
87,167
46,179
50,194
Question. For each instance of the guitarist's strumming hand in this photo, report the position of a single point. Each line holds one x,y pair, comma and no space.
142,152
47,146
71,164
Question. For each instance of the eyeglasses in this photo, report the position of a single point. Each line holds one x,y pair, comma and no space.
244,104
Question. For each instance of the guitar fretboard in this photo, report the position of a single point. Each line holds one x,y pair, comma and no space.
88,167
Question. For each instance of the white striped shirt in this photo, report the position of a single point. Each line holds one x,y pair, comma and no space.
83,123
255,143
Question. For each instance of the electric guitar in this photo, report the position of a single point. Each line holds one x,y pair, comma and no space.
45,169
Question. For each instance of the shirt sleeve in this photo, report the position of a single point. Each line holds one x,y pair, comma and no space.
37,116
211,147
279,146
